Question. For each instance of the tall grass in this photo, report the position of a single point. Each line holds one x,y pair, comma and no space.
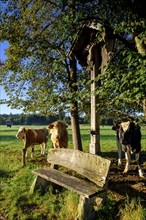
15,181
132,210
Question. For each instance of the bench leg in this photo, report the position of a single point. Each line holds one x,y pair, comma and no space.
88,207
39,184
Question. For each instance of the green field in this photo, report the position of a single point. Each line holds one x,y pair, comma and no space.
15,200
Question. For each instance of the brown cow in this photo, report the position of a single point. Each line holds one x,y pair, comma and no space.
59,134
32,137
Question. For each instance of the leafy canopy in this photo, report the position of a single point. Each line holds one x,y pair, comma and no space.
40,34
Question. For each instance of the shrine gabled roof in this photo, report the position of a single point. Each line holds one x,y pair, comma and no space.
85,36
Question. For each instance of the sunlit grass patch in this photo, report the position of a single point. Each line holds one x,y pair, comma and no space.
132,210
69,206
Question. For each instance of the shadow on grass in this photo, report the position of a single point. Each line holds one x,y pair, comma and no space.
8,130
5,173
8,137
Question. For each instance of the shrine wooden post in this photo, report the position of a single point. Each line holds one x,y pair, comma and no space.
94,54
94,65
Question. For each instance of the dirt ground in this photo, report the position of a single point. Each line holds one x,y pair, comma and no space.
130,184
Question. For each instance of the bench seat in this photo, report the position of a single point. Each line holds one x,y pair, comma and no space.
80,186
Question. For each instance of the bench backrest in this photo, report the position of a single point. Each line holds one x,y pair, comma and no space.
93,167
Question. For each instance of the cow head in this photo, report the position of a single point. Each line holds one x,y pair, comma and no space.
21,133
130,135
56,128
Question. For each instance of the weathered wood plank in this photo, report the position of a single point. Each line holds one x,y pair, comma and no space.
80,186
93,167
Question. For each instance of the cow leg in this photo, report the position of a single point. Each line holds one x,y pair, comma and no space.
45,145
140,171
43,148
127,157
26,153
32,152
119,146
55,146
23,156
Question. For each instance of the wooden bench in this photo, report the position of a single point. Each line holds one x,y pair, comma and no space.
91,181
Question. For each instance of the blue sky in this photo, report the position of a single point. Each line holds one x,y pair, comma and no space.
4,109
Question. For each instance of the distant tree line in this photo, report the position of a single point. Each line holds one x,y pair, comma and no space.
33,119
26,119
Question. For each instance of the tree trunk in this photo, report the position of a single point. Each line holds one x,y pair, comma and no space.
141,47
74,107
144,108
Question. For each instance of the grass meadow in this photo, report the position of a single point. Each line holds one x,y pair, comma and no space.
16,201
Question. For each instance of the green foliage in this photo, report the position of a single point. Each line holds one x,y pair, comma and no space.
36,74
124,90
107,211
36,69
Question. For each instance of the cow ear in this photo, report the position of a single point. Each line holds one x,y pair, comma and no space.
50,126
114,127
